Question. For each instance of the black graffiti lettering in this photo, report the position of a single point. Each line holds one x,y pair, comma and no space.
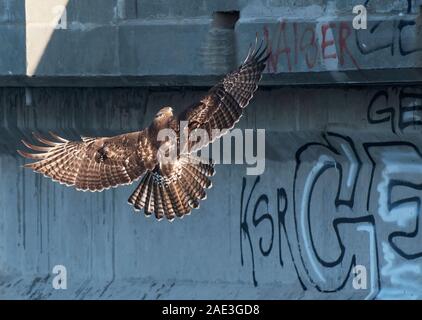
244,228
366,49
281,215
282,206
401,25
330,156
256,221
402,234
395,28
389,111
389,144
395,183
408,108
330,188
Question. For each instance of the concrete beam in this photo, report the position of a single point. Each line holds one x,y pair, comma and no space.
12,39
130,42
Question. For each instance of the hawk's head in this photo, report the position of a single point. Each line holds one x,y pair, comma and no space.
166,111
163,116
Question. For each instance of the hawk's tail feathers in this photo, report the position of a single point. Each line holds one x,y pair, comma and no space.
176,193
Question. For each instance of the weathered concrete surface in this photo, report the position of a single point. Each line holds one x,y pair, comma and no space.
129,42
341,187
342,184
12,38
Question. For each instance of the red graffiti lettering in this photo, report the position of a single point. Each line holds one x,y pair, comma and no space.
327,43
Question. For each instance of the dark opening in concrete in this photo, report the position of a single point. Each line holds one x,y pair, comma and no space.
225,19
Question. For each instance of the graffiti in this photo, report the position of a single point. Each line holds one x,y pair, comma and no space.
374,39
352,202
398,159
401,275
406,103
396,31
309,44
245,231
332,45
336,150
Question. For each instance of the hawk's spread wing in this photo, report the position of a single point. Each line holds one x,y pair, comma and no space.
222,107
94,163
166,190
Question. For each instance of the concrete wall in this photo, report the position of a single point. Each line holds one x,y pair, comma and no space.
342,186
12,37
135,42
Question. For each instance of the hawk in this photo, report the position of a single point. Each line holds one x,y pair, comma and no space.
167,189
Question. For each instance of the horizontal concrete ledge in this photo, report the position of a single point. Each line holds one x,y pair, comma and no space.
322,49
332,78
140,289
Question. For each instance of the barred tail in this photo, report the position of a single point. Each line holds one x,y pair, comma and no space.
174,190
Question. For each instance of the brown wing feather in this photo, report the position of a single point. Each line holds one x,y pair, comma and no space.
94,163
222,107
